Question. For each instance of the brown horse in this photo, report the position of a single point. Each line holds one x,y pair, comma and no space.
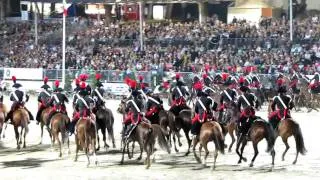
20,119
210,131
43,121
58,125
259,130
2,116
286,128
85,138
143,135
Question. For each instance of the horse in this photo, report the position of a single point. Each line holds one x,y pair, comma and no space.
20,118
85,138
43,122
2,116
210,131
58,125
287,128
259,130
183,121
228,121
105,120
143,135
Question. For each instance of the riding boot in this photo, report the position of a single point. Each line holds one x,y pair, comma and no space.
72,126
9,117
30,115
38,115
49,117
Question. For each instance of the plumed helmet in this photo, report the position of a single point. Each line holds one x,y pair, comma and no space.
45,79
56,83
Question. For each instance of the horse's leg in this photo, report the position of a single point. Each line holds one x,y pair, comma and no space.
239,142
93,139
141,150
125,143
194,144
285,141
186,132
204,162
21,135
77,148
98,148
16,131
5,128
111,134
256,152
174,141
133,145
53,140
233,139
103,131
178,136
244,143
59,142
41,127
215,159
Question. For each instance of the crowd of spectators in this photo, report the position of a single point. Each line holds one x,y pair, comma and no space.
179,46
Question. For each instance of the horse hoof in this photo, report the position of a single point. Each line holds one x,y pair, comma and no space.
225,146
96,163
244,159
24,146
139,158
180,144
251,165
294,162
60,155
18,147
187,153
239,162
121,162
114,146
282,159
88,165
176,150
229,150
97,149
213,168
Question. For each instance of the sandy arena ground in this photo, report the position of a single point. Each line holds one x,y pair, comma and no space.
39,161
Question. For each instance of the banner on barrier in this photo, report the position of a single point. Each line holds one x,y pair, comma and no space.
23,73
118,89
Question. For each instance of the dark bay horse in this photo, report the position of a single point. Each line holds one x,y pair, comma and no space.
259,130
105,120
287,128
210,131
85,138
58,125
43,122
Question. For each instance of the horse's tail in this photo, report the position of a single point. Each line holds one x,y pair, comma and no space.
110,126
161,136
218,138
297,134
270,136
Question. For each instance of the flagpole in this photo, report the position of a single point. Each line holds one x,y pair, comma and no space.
64,43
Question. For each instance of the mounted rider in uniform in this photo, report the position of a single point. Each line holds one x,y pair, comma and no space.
83,78
179,96
43,98
294,83
247,102
154,106
227,96
284,104
98,93
58,100
19,98
82,106
203,109
315,84
76,92
133,108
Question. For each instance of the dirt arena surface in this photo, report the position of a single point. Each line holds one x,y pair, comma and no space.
41,162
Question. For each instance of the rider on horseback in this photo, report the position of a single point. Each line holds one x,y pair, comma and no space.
98,93
255,81
227,96
43,98
248,101
284,104
83,78
203,107
315,84
82,107
294,83
154,106
179,94
280,81
19,97
76,91
133,109
58,100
